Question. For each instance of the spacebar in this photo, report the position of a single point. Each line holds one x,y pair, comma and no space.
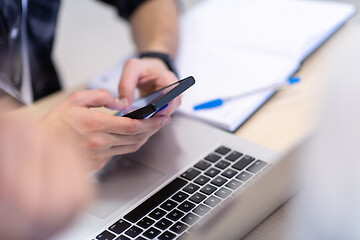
155,200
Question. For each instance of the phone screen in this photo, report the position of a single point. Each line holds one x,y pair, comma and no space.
144,101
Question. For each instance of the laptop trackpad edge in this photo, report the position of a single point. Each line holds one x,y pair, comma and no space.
120,184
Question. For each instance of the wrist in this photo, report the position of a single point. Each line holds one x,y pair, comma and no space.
165,58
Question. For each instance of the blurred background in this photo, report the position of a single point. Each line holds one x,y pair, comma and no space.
86,29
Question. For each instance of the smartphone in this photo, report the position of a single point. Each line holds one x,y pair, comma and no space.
147,106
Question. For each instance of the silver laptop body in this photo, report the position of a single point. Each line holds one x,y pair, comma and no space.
127,181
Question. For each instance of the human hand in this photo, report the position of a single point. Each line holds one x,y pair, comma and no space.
43,180
148,75
102,134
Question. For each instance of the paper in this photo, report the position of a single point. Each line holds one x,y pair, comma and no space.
223,72
287,27
232,47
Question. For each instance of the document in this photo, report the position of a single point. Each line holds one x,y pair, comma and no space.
232,47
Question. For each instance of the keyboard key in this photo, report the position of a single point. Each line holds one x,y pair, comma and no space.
212,172
222,164
229,173
133,231
212,157
219,181
157,214
208,189
168,205
197,197
163,224
167,236
201,210
175,215
201,180
257,166
223,150
190,174
233,156
233,184
223,192
244,176
202,165
212,201
163,194
186,206
122,237
243,162
119,226
140,238
105,235
180,196
179,227
190,218
191,188
145,222
151,233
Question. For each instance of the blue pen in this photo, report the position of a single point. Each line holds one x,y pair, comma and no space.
220,101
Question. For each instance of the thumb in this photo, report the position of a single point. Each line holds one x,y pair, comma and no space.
97,98
129,79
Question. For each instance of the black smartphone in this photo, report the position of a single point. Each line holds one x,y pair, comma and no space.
147,106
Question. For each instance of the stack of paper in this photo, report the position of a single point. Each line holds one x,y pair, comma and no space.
235,46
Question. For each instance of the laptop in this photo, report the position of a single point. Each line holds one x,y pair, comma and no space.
186,175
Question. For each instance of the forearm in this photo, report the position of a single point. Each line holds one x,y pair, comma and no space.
155,26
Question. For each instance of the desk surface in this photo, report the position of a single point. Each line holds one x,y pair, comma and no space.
297,112
286,118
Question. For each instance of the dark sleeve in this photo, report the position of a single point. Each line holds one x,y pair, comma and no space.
125,7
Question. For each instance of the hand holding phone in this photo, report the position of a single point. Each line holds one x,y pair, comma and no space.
147,106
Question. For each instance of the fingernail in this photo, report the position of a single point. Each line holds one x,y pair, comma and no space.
125,101
166,121
122,101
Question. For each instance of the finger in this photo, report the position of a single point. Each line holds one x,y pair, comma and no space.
127,126
132,72
105,156
104,141
138,126
172,107
97,98
156,80
101,162
166,78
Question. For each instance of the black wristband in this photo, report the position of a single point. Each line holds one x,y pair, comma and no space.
162,56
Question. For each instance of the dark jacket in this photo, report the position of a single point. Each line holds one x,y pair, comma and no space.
41,25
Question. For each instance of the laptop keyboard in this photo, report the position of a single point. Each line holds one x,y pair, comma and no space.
172,211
